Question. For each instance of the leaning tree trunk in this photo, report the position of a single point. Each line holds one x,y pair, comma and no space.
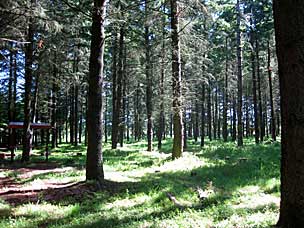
289,28
94,163
240,78
177,81
27,132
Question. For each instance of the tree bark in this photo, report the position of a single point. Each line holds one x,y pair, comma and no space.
260,112
54,106
273,124
161,127
203,117
289,28
115,112
94,163
240,79
27,132
148,81
225,97
233,118
209,116
254,92
177,81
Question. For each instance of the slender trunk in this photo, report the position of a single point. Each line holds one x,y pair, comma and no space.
11,105
266,116
209,117
106,118
203,117
54,106
196,126
260,112
240,78
124,103
120,79
177,81
161,127
225,97
66,116
215,119
94,163
80,123
86,125
72,114
254,92
115,114
273,124
185,129
76,118
27,132
234,118
149,83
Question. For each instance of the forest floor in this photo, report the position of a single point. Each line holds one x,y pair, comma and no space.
218,186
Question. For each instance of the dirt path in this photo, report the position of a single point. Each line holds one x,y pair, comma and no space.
21,188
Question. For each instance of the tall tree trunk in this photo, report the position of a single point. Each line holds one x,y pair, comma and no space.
240,78
115,111
185,129
54,106
266,129
106,118
80,123
27,132
233,118
203,117
215,110
289,21
177,81
94,163
260,112
209,116
273,124
161,124
196,124
225,97
124,105
76,118
11,104
120,79
148,81
66,116
72,114
254,92
247,104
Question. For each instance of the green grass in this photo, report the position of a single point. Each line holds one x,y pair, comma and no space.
243,185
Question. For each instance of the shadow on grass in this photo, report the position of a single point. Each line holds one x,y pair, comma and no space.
229,170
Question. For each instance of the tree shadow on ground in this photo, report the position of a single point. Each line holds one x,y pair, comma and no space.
228,170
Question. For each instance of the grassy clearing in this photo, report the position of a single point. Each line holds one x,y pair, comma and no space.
243,185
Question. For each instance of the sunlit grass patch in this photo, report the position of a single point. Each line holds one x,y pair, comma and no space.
242,186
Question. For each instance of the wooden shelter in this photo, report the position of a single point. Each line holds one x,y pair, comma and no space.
34,126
